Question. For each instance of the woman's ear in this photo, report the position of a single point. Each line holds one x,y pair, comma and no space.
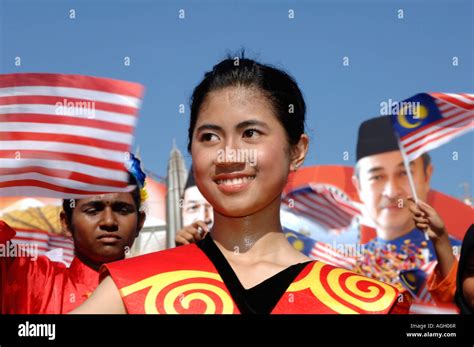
298,152
65,227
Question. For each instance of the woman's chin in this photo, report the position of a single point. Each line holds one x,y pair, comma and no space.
234,210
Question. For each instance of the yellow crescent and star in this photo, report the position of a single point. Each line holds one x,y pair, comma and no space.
297,243
419,113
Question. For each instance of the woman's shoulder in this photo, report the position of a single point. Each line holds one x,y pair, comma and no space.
345,291
131,270
166,255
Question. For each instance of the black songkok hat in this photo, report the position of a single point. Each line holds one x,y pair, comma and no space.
376,136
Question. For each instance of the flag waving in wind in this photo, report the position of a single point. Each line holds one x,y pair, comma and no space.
322,204
65,135
427,121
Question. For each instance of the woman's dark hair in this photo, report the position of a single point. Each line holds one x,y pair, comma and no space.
280,89
467,251
68,204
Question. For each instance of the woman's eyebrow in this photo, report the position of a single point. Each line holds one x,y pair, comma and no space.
251,122
209,127
241,125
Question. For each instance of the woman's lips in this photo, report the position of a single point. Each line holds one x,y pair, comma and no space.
233,184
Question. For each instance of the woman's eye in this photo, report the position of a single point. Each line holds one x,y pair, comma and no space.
209,137
252,133
91,211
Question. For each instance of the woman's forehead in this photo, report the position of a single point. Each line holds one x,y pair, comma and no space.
234,105
237,96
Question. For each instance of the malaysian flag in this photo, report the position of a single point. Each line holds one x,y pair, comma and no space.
56,247
329,254
323,205
427,121
414,281
423,294
65,136
423,301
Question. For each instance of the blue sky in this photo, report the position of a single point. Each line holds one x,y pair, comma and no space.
389,58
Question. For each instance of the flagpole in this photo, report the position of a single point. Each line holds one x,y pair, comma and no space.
406,163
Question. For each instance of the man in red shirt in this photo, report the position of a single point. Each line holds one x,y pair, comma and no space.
103,228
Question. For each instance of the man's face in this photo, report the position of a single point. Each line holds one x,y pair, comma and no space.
383,187
196,207
104,226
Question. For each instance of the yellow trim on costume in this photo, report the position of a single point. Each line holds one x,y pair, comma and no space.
168,279
312,281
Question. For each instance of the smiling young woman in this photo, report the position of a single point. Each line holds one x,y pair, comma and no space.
246,134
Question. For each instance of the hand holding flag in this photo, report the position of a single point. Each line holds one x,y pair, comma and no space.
427,121
427,219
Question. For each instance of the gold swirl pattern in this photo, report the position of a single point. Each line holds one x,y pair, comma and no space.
345,291
175,291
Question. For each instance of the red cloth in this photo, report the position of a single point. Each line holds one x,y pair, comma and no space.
184,280
6,233
41,286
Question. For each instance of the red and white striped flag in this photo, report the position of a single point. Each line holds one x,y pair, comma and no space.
65,136
45,242
424,294
340,255
322,205
327,254
427,121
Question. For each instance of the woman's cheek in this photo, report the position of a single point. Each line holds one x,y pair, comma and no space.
202,159
272,169
267,156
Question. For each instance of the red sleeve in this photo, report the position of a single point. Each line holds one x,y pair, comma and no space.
6,233
443,289
27,283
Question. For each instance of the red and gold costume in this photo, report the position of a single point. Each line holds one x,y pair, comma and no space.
184,280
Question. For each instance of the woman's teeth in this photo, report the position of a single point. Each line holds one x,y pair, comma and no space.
235,181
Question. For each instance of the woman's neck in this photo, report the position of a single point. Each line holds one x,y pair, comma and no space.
253,238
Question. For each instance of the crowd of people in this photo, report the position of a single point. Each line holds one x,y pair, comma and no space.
232,255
